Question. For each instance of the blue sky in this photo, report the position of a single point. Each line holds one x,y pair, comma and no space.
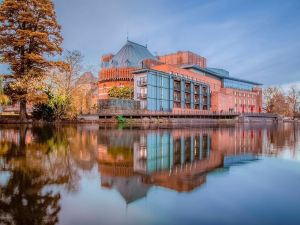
254,40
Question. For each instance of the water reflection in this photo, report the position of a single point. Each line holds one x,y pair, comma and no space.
40,165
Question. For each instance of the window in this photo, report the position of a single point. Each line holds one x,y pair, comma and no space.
144,90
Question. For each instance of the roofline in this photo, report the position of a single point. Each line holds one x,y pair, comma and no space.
141,71
179,51
218,75
145,46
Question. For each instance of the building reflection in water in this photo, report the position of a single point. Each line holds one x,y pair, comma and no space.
178,159
131,161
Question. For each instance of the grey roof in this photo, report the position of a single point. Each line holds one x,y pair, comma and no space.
131,55
222,72
218,74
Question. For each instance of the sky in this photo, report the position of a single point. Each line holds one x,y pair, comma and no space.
253,40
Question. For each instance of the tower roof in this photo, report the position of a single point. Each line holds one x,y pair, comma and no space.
131,55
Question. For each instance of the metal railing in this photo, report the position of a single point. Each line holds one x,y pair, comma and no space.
177,99
187,89
142,95
176,88
175,111
142,82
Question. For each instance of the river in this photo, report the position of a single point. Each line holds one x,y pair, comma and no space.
86,174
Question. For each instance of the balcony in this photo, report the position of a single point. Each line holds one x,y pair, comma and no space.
187,89
142,82
177,98
141,95
176,87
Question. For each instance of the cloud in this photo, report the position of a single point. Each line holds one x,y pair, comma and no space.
254,40
287,86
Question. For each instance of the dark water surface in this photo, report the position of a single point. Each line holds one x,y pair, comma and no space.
243,174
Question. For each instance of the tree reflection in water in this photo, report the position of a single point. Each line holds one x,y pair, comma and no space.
23,200
36,158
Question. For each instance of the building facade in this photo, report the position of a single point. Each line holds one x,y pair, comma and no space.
116,70
178,81
160,91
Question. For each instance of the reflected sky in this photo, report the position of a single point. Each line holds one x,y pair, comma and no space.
85,174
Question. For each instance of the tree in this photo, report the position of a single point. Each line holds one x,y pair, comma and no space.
294,99
86,93
121,92
29,33
4,99
276,101
269,94
62,85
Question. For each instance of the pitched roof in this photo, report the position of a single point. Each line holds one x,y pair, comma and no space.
131,55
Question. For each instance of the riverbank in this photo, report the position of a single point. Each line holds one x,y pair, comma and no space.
149,121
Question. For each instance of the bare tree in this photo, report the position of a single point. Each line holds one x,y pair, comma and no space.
276,101
294,99
62,85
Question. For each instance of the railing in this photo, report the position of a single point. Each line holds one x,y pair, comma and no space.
259,114
177,99
174,112
142,82
187,89
176,88
142,95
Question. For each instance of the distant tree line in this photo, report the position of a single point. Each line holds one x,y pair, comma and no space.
285,103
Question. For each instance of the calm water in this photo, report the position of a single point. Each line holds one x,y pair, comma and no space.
90,175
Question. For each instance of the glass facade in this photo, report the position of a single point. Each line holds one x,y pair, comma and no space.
162,151
228,83
166,91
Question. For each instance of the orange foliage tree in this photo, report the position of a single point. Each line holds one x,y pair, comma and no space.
29,34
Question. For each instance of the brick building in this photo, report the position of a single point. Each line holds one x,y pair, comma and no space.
177,81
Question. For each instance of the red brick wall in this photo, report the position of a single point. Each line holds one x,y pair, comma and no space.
183,58
222,99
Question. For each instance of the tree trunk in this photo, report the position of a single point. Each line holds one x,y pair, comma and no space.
23,113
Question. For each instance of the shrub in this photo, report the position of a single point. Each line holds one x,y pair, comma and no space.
43,111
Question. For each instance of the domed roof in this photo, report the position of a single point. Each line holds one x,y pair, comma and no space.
131,55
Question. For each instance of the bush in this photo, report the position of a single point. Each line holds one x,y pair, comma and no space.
43,111
121,92
121,119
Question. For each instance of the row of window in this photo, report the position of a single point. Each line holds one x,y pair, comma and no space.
235,93
246,101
